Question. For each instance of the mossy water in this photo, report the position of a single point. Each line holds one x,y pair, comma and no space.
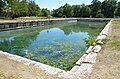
57,45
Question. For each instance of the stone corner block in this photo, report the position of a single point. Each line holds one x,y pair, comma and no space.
90,58
97,48
89,49
74,69
79,62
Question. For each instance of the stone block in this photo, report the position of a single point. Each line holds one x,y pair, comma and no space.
74,69
101,37
79,62
85,68
100,42
104,32
97,48
90,58
89,49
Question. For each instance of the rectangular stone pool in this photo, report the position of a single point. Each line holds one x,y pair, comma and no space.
56,45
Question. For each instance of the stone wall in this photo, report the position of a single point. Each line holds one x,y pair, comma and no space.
84,65
28,24
92,20
48,69
35,23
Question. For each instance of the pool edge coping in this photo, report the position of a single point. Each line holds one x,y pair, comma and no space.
48,69
84,65
82,68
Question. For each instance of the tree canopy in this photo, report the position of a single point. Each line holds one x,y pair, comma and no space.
97,9
76,10
18,8
63,11
108,8
2,4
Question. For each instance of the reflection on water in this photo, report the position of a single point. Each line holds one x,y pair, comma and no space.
60,46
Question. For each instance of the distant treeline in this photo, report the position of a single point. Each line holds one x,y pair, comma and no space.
97,9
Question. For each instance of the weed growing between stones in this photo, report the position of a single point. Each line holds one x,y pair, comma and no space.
90,41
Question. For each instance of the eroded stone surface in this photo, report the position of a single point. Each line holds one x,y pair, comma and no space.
48,69
104,32
89,49
99,42
97,48
83,71
90,58
101,37
74,69
79,62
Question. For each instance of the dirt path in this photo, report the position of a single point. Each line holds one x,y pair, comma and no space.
108,60
10,69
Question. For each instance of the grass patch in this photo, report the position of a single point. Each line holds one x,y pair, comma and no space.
116,45
116,56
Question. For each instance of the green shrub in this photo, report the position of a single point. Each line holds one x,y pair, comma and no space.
99,15
64,16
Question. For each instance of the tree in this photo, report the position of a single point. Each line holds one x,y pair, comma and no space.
23,8
117,10
45,12
2,5
63,11
58,12
18,8
14,5
95,7
67,10
108,8
33,8
76,10
85,11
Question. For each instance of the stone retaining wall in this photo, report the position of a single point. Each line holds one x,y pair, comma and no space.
28,24
84,65
48,69
92,20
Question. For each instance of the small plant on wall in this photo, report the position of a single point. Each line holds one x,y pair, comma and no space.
90,41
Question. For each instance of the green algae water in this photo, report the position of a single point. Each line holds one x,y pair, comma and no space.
56,45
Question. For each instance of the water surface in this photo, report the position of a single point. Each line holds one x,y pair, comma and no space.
57,45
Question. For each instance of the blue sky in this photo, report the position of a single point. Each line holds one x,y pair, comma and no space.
53,4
